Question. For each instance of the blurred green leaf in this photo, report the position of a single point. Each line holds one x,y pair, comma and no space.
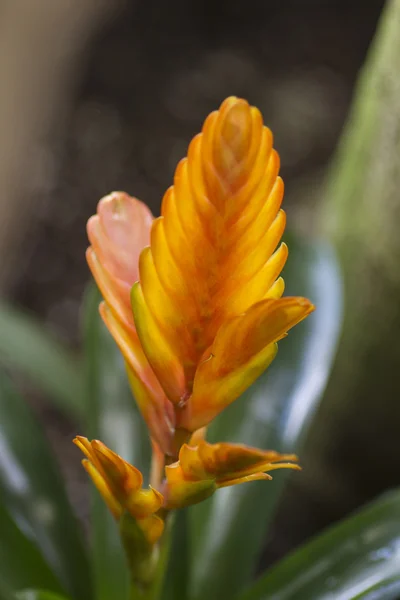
177,575
229,529
21,563
38,595
5,592
25,345
358,558
32,489
389,589
113,418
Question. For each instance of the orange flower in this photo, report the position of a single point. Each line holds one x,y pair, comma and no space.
120,485
118,233
207,312
208,308
204,468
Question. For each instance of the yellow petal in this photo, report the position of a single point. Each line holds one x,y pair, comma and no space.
192,464
212,251
245,479
241,338
259,285
113,505
149,395
158,350
86,447
212,392
243,348
152,527
122,478
228,461
120,483
276,290
114,291
166,313
203,468
207,312
143,503
118,233
179,492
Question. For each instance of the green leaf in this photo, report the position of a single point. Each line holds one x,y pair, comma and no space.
229,529
358,558
389,589
113,418
26,346
38,595
32,489
177,575
21,563
5,592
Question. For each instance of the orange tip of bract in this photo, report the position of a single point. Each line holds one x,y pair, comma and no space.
120,485
194,298
204,468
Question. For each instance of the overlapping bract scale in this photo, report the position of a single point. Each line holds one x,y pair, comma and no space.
118,233
194,301
120,485
208,308
204,468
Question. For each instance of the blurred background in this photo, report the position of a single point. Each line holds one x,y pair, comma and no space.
105,95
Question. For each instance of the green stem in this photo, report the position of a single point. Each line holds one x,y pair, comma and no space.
153,591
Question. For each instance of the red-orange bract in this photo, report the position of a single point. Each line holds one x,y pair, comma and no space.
194,302
204,468
120,485
207,309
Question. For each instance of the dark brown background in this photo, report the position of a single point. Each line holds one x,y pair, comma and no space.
139,86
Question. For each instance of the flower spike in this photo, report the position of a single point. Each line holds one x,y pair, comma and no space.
118,233
204,468
194,298
120,485
208,307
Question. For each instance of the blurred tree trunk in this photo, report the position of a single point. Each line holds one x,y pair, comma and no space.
42,46
354,447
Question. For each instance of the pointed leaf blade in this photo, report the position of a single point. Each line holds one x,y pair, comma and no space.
357,558
113,418
26,346
229,529
21,562
33,491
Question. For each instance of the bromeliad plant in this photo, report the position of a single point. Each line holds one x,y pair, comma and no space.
194,301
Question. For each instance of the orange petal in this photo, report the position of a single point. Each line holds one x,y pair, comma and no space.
212,393
227,461
120,483
242,350
114,291
158,350
86,447
208,311
211,254
179,492
149,395
241,338
122,477
245,479
143,503
192,464
152,527
203,468
258,286
101,485
118,233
